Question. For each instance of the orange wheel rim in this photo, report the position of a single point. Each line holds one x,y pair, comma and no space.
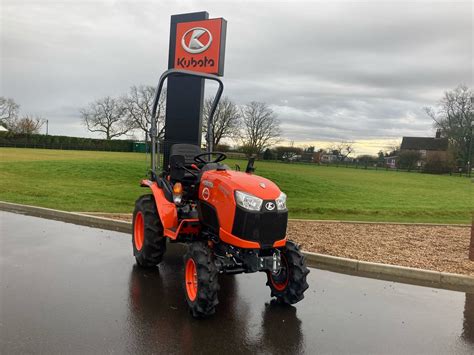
139,231
280,285
191,279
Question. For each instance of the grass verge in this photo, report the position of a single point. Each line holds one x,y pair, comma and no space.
108,182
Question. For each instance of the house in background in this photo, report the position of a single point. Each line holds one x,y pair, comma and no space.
391,162
329,158
428,147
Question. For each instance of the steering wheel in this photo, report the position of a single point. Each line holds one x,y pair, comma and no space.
220,157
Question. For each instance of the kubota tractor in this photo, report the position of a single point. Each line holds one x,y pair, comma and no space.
232,221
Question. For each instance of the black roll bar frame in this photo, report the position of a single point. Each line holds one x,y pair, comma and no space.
155,151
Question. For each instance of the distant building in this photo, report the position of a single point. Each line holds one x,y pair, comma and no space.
329,158
428,147
391,162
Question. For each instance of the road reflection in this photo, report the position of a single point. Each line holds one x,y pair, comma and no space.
281,329
158,319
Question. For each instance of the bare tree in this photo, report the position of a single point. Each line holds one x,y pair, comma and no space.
261,127
454,116
8,111
225,123
138,106
27,125
345,149
106,116
342,149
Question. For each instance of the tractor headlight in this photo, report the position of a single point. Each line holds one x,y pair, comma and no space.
247,201
281,202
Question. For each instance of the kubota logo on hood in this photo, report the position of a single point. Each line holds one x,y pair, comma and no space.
196,40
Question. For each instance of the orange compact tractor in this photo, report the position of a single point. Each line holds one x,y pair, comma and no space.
232,221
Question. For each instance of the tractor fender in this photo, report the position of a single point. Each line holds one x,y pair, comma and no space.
166,209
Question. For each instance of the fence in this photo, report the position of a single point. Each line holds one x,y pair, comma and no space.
417,169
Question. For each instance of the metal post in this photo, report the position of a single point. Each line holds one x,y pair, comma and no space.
209,136
471,246
469,157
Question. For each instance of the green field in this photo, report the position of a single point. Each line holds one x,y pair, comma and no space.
108,182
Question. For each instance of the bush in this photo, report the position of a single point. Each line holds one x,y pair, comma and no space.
222,148
435,164
408,159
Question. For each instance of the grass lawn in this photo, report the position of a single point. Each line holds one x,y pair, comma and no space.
108,182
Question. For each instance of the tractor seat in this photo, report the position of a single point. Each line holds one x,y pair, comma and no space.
189,151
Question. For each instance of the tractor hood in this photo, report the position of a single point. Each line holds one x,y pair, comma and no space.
235,180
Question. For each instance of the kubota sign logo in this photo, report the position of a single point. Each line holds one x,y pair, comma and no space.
192,40
200,46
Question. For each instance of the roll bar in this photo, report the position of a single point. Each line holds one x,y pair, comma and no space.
154,129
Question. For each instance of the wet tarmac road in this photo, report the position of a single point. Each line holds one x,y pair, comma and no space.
73,289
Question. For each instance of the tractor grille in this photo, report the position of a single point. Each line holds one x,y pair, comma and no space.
264,227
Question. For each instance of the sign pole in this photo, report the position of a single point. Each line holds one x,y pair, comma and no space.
184,97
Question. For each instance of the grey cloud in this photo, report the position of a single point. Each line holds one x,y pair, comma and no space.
331,70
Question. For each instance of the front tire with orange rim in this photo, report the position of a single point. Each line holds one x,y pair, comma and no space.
149,243
289,284
200,280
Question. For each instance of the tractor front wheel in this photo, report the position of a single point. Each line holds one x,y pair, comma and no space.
289,285
200,280
149,244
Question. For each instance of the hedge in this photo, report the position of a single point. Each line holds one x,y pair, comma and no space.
63,142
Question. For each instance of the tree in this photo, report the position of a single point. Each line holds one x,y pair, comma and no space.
27,125
342,150
367,159
261,127
345,149
380,158
8,111
454,116
225,123
288,153
393,150
138,105
107,116
268,154
408,159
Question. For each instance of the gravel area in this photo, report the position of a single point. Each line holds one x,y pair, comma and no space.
440,248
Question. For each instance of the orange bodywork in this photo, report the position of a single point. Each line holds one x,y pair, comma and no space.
166,209
217,187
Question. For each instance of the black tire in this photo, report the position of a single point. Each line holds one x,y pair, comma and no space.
149,247
290,284
204,302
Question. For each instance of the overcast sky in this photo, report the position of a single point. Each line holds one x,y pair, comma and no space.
333,70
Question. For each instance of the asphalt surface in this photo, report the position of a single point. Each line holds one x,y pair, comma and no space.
73,289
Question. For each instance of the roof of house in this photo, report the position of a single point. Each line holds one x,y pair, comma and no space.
424,143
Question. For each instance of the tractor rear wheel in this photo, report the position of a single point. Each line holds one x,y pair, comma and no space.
289,285
200,280
149,244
